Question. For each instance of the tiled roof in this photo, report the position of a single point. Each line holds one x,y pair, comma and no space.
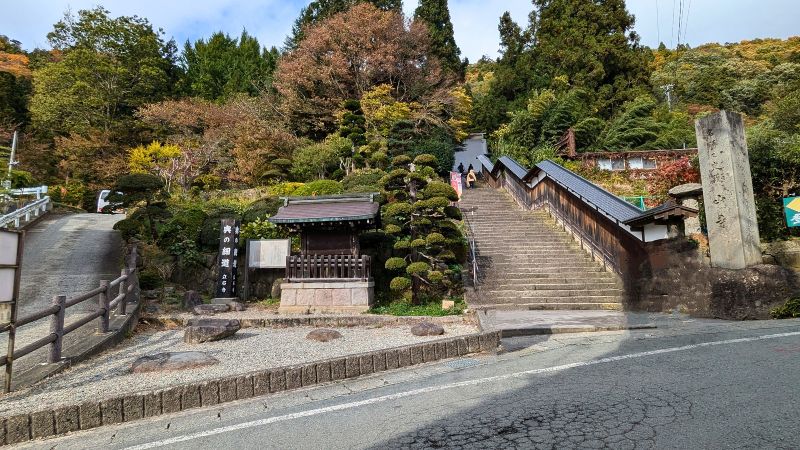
326,209
591,193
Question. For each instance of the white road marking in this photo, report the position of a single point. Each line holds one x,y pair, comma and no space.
399,395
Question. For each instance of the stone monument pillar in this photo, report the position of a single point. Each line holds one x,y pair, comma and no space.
728,191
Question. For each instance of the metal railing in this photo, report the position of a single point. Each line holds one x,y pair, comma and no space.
472,250
25,213
127,287
327,267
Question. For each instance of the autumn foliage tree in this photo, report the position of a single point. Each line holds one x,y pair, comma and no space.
348,54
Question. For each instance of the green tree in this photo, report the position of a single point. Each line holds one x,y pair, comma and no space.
110,67
593,45
15,83
138,188
222,66
319,10
353,123
436,15
419,220
319,160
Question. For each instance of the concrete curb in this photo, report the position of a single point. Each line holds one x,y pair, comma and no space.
65,419
120,326
325,321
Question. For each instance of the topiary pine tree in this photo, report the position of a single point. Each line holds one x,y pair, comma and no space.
133,189
353,123
419,218
437,16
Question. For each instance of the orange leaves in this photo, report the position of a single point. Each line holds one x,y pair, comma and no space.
15,64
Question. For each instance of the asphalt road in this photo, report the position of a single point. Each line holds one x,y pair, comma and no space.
64,254
732,386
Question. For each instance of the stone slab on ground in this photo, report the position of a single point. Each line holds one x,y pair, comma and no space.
528,323
249,350
168,361
207,330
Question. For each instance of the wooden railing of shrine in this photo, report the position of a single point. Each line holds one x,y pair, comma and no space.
327,267
607,240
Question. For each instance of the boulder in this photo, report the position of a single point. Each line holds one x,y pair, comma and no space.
323,335
191,299
211,309
276,288
163,362
207,330
448,305
427,329
236,306
150,293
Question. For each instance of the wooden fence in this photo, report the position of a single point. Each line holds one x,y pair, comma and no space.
111,296
604,238
327,267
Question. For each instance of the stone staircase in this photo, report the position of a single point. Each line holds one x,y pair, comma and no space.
526,262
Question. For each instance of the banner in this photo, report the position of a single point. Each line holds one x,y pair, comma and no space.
456,182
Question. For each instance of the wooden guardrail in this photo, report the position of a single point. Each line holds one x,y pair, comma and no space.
327,267
108,300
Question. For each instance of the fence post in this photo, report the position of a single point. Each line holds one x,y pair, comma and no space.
57,328
102,303
123,289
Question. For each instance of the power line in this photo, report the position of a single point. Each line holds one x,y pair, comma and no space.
680,19
686,22
672,32
658,24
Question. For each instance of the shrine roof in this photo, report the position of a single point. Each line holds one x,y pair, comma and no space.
330,208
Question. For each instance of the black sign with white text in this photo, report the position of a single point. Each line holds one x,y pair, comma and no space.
228,255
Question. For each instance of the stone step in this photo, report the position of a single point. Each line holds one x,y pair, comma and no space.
549,278
549,293
526,285
533,306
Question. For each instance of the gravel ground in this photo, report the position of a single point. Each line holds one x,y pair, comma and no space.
250,349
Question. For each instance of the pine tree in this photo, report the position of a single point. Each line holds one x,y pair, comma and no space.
593,44
436,15
223,66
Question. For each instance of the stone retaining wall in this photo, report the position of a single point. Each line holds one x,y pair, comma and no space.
51,422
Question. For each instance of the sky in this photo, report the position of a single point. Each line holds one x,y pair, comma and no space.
475,21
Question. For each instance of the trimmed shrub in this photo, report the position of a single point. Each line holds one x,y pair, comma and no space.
364,177
418,268
400,284
440,189
395,264
435,239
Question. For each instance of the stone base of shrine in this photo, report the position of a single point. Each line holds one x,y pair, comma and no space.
327,297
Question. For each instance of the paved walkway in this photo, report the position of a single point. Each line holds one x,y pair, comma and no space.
65,254
526,323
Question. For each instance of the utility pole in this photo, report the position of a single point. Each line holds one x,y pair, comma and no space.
668,94
11,162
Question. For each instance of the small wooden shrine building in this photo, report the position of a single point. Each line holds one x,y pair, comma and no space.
329,275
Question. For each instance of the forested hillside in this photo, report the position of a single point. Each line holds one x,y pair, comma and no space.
226,124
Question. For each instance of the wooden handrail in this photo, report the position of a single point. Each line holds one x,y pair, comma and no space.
128,284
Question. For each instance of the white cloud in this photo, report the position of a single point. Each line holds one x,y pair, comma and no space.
475,21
